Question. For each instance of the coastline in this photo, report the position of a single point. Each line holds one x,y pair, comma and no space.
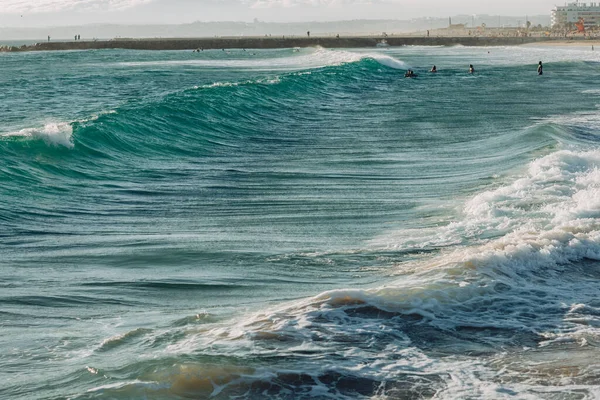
570,43
289,42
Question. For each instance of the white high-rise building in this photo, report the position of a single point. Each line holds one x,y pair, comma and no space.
573,12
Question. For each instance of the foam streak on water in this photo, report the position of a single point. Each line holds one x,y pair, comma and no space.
283,224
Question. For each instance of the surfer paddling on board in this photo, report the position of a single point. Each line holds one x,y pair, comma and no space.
540,69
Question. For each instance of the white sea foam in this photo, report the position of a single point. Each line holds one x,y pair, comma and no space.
307,59
54,133
135,383
264,81
555,192
386,60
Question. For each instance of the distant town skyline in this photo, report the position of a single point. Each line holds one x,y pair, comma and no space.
38,13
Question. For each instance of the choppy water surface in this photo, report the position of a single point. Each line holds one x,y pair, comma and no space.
279,224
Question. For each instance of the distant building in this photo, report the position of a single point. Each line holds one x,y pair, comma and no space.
574,12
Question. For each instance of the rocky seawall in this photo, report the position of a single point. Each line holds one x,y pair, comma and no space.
274,42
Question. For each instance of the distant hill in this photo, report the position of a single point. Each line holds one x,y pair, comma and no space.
259,28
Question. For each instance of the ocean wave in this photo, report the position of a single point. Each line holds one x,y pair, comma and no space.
53,133
308,59
263,81
121,126
543,222
584,126
123,339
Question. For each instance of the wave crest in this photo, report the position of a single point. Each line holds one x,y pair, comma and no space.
54,133
318,57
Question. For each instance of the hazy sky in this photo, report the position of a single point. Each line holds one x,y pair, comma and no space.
27,13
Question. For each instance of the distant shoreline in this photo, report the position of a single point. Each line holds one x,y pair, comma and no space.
572,43
290,42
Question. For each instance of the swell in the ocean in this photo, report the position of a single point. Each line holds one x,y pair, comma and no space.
208,103
172,248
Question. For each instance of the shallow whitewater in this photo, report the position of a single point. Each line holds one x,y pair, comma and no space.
278,224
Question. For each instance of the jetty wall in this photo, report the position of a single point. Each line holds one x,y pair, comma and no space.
274,43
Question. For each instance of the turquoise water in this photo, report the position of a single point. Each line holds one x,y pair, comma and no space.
279,224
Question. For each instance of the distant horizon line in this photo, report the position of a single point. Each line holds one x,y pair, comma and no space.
273,22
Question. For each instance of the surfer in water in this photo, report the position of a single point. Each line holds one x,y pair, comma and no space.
433,69
540,69
410,74
471,69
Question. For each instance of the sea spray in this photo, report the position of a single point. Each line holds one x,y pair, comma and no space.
54,133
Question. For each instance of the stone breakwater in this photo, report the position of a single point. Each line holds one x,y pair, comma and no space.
273,43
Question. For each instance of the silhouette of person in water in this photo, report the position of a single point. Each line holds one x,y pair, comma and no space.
471,69
308,33
540,69
433,69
